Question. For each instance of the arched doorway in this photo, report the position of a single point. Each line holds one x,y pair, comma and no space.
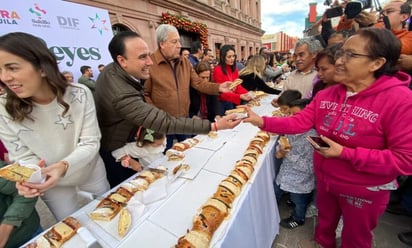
117,28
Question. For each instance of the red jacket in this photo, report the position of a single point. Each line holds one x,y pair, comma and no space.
219,77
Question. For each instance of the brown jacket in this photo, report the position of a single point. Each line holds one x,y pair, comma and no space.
121,109
169,91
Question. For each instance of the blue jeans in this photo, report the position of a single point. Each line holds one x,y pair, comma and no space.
278,161
407,195
225,106
38,231
301,202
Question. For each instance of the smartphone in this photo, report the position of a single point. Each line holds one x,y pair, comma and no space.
334,12
317,142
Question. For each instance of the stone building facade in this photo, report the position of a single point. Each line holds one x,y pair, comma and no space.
235,22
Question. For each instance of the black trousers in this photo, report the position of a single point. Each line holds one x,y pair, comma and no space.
116,173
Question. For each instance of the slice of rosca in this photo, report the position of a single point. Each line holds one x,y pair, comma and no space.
231,187
235,83
236,180
252,152
239,175
125,220
224,195
264,135
148,175
255,147
105,210
130,187
62,231
246,168
140,182
121,196
16,172
249,159
194,239
179,147
173,155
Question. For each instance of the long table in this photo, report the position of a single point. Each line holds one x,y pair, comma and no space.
253,220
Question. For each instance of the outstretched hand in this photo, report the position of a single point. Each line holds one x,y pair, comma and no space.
224,87
252,118
227,121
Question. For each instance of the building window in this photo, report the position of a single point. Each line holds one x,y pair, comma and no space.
117,28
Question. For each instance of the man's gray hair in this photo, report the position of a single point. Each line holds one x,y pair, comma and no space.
314,46
162,31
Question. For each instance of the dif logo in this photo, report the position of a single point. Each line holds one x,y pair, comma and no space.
68,22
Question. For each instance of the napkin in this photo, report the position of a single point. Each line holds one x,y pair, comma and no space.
157,191
36,177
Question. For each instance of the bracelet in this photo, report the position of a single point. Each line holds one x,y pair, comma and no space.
214,126
125,161
66,167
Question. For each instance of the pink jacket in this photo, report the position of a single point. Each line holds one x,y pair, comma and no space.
374,127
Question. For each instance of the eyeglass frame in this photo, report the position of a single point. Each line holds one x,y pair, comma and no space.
349,55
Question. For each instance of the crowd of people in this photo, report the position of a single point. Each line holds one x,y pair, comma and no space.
352,90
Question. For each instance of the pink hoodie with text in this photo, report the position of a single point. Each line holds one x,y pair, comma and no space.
374,127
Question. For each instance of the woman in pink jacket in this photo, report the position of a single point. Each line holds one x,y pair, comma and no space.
366,121
226,71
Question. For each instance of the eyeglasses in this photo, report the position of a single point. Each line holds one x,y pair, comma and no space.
347,55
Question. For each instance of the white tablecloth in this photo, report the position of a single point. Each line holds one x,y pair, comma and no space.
254,218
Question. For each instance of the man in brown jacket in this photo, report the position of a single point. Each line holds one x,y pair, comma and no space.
171,77
121,106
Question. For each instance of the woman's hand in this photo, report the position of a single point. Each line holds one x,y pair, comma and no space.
334,151
245,97
53,174
252,118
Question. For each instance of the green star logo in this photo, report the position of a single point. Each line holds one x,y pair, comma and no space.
98,24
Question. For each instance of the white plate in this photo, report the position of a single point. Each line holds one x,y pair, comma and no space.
216,143
177,213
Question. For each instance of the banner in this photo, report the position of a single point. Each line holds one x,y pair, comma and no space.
77,34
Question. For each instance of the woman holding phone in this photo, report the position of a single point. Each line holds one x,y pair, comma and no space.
366,122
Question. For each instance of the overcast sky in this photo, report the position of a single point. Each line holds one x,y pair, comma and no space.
287,15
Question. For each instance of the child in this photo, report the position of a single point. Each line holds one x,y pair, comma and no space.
283,102
296,173
285,99
149,146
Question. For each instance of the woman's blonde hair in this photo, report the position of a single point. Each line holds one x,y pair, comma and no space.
256,65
